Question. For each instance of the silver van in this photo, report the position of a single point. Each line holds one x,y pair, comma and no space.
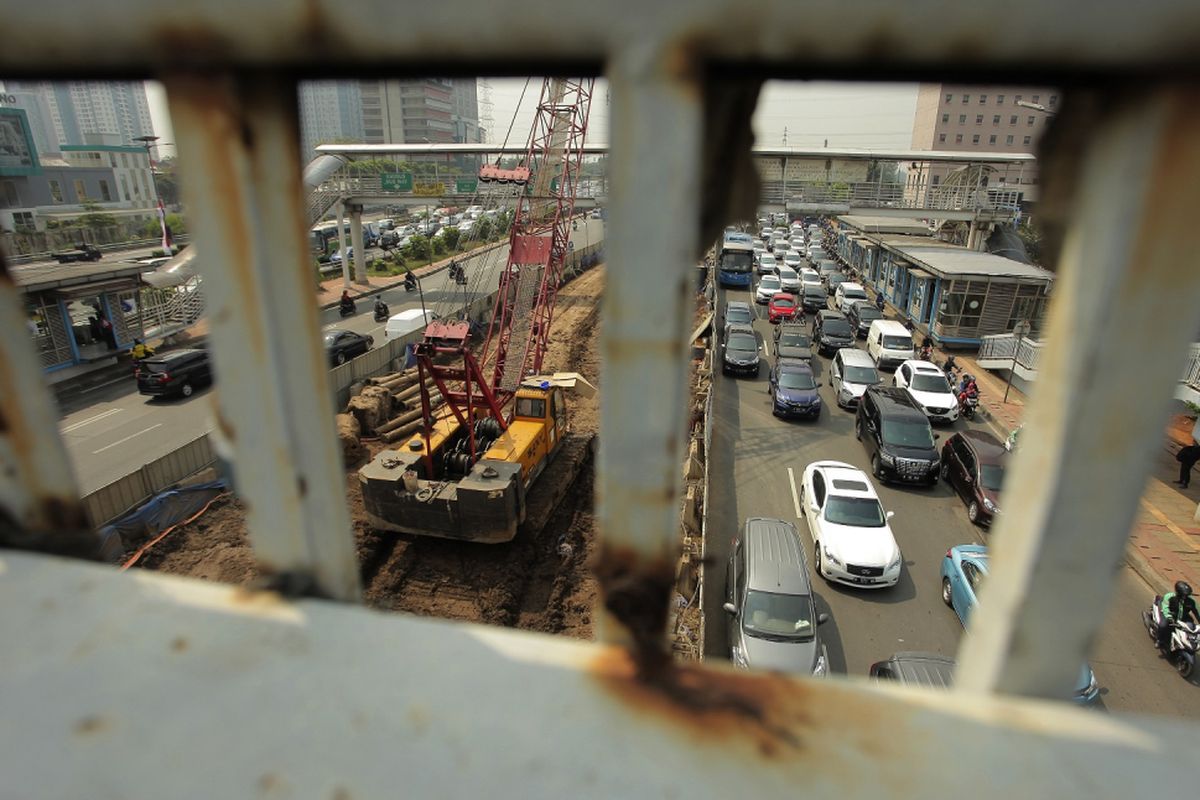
850,374
772,620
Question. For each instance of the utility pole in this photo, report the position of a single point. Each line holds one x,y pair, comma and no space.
1020,330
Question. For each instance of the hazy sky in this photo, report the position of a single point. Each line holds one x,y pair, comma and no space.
813,113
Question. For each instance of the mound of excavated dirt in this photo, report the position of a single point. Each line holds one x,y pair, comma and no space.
539,581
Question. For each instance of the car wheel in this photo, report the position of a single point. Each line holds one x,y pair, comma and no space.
973,512
876,467
186,390
817,559
947,593
341,358
945,471
858,430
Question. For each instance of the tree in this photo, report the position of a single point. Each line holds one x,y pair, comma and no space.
95,217
439,246
417,248
451,238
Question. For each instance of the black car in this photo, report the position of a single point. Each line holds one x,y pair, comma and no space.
738,313
177,372
896,433
792,341
861,315
830,330
832,280
813,298
739,351
345,345
916,669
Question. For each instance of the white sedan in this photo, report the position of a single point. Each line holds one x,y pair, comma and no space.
768,287
792,259
851,537
788,277
766,264
929,389
810,276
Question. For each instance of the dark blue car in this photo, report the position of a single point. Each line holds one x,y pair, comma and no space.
964,569
794,389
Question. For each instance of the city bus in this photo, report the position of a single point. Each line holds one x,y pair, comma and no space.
735,261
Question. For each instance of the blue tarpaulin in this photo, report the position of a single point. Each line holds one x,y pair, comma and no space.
155,515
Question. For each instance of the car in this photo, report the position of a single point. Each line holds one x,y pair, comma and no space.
766,264
738,313
760,250
740,350
927,670
897,437
789,278
964,570
179,372
792,341
974,464
826,266
852,540
768,287
830,330
832,281
773,623
816,253
851,373
813,298
342,345
765,233
809,277
861,315
792,259
927,385
782,307
794,389
848,292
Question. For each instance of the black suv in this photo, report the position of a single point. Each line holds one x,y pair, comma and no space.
861,315
897,436
831,331
178,372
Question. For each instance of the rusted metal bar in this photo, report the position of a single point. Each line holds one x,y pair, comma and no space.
39,500
655,173
1128,260
239,155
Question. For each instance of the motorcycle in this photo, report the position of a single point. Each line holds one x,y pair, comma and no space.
410,284
968,402
1181,646
381,312
346,308
926,354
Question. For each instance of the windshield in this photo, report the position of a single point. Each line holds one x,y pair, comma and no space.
330,338
778,616
897,342
854,294
837,327
860,512
794,340
769,284
868,313
861,375
766,260
737,262
907,434
782,302
991,476
796,380
741,341
738,315
930,383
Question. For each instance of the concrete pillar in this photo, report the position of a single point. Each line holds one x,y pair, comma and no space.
340,208
356,241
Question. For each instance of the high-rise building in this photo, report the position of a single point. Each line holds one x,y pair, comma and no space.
330,111
62,113
438,110
985,119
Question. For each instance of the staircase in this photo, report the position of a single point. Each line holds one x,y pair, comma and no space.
169,311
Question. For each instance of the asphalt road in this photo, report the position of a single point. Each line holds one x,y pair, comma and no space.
752,452
119,430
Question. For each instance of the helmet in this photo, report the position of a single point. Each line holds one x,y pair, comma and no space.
1183,589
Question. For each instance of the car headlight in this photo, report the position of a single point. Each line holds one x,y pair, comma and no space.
887,458
738,656
830,557
845,393
989,505
821,668
895,563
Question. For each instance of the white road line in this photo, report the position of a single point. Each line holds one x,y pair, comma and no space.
90,420
127,438
767,342
795,497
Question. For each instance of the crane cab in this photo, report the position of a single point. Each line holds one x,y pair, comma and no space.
538,425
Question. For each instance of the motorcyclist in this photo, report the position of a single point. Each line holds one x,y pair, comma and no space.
1176,606
967,388
347,302
879,300
410,281
140,350
381,308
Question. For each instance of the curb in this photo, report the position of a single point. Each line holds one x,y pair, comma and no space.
1145,570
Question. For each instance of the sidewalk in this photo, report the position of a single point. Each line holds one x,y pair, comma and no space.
1164,544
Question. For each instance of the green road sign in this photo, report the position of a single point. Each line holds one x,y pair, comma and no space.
396,181
466,186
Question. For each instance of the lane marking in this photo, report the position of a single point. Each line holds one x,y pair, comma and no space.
90,420
126,439
795,497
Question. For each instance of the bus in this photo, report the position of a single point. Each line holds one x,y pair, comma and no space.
735,262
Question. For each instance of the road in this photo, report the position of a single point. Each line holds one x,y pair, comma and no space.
120,430
750,456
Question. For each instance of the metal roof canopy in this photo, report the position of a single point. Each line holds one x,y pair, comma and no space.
870,224
952,262
60,276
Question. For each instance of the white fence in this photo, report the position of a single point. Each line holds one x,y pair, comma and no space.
113,499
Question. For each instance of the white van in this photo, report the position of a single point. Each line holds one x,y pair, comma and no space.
406,322
889,344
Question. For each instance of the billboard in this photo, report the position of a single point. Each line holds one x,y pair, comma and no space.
18,156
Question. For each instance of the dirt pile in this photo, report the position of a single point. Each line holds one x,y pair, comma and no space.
539,581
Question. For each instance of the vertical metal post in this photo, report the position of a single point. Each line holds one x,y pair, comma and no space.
655,173
356,242
341,228
238,150
1129,254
